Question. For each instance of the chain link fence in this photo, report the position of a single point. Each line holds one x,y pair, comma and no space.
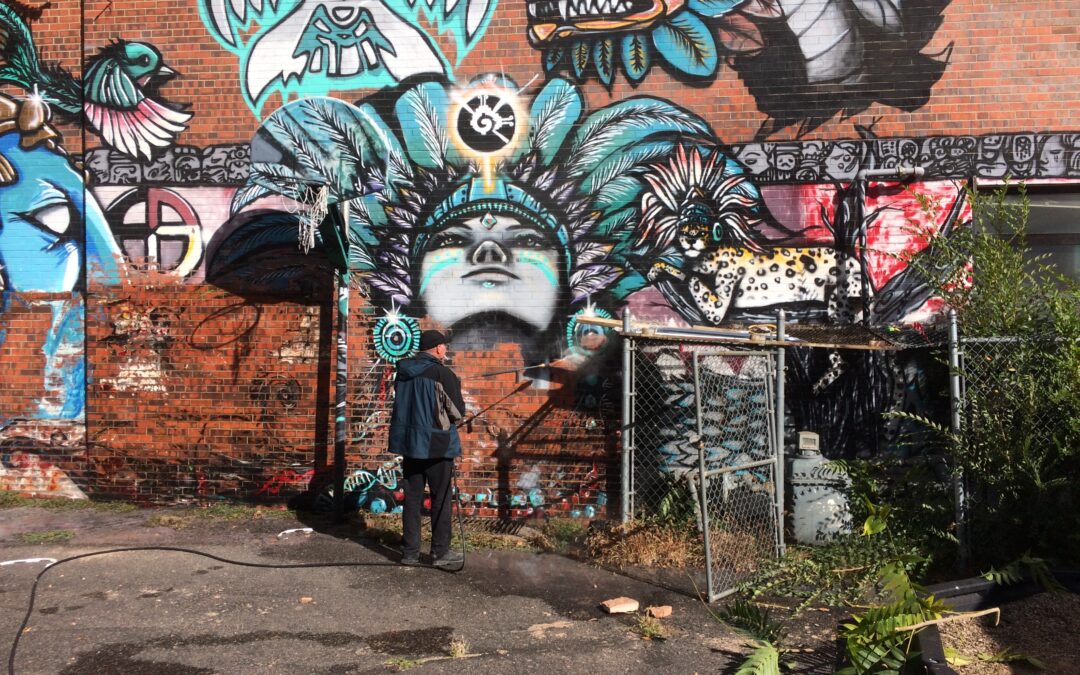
706,410
1014,419
1000,389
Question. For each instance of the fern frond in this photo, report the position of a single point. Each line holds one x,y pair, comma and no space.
764,660
753,621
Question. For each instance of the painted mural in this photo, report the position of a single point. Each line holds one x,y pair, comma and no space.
314,47
802,60
505,213
118,98
494,209
497,213
53,240
991,156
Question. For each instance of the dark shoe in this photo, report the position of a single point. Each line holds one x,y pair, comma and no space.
410,561
451,560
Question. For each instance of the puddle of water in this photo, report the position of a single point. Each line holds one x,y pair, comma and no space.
422,642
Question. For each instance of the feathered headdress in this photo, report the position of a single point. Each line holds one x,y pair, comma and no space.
580,176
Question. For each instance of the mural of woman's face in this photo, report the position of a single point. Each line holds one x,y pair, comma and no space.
491,264
42,241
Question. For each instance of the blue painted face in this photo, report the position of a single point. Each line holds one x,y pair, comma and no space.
43,244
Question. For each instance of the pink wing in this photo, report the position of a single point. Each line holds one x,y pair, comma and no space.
137,132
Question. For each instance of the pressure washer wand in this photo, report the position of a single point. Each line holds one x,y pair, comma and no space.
494,373
517,390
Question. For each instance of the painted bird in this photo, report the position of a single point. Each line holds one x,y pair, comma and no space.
117,96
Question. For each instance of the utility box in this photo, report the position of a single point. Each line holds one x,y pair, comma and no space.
819,506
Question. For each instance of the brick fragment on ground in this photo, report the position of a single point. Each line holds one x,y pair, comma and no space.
661,612
620,605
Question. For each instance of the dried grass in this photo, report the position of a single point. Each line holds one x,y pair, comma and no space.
647,545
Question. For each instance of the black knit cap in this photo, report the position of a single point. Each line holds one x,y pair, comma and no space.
432,338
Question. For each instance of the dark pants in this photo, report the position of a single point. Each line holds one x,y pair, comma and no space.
436,473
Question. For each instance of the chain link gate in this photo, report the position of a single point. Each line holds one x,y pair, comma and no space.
694,411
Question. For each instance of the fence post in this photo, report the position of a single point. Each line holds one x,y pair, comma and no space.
959,498
781,335
627,418
703,489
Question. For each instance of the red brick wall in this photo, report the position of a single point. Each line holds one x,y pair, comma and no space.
200,387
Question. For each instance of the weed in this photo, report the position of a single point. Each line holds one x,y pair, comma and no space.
1019,444
752,621
184,518
765,637
11,500
400,664
1008,656
650,628
650,544
565,534
459,648
839,573
45,537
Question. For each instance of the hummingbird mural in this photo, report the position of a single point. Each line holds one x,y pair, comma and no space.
118,96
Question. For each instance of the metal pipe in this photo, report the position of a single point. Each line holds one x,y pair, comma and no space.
898,172
341,381
627,419
741,467
959,497
781,365
341,376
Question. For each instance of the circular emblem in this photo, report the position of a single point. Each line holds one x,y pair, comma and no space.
486,123
396,338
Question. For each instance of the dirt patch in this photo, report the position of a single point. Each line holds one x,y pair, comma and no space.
1043,626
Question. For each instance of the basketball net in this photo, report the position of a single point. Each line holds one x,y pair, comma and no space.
310,208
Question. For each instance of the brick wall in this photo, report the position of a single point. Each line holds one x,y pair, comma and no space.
163,340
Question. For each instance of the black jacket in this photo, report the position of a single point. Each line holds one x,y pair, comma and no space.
427,403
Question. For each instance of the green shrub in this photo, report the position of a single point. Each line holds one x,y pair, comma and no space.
1019,446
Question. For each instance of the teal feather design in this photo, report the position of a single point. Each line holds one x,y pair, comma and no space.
579,57
686,40
604,60
427,140
609,129
555,111
107,81
623,162
635,56
248,193
19,65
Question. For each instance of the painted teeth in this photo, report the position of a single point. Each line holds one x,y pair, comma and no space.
572,9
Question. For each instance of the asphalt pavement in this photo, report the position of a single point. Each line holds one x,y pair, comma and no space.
171,612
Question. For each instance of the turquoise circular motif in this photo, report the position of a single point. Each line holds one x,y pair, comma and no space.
584,337
396,338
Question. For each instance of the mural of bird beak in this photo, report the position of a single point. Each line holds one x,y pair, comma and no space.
153,80
551,20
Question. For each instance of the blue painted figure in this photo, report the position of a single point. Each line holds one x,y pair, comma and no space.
53,237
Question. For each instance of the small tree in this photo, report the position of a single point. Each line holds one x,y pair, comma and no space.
1019,445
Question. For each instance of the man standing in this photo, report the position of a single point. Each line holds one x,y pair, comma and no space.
427,404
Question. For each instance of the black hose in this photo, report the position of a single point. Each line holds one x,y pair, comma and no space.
33,588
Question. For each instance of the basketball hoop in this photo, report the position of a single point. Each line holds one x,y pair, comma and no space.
310,208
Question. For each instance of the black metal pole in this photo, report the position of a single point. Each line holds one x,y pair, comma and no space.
341,377
341,382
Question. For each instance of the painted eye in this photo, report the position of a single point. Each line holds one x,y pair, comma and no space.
448,240
528,240
55,218
144,60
